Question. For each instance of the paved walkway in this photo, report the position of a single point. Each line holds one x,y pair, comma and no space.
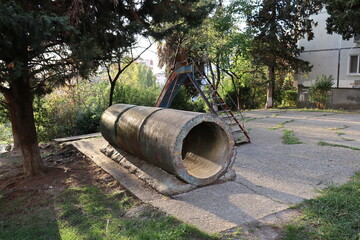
271,176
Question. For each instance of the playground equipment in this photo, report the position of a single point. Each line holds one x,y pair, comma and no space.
208,92
196,147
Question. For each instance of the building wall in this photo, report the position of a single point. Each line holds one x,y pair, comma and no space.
329,55
340,98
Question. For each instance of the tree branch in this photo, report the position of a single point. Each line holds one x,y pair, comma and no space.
134,59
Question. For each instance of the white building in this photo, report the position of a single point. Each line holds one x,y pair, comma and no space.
331,55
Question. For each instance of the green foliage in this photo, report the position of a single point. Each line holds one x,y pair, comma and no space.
322,143
343,17
184,101
277,28
45,43
220,42
339,128
278,25
129,94
76,108
289,137
245,98
5,133
290,98
70,110
319,91
334,214
282,124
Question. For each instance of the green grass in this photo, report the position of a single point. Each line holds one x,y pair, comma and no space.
87,213
334,215
318,110
249,119
339,133
339,128
321,143
282,124
289,137
348,139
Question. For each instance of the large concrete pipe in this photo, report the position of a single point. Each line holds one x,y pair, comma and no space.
196,147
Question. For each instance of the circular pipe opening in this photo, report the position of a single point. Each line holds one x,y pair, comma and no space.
205,150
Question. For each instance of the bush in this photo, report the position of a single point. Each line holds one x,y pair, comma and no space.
246,100
319,92
70,110
184,101
87,122
290,98
129,94
5,133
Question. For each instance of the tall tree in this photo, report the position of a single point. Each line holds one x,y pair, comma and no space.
45,42
121,58
221,43
278,25
344,17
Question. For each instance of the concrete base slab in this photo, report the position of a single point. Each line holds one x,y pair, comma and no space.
155,177
163,182
214,208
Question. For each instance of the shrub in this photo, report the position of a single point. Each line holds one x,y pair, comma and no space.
245,98
5,133
184,101
132,94
319,92
70,110
290,98
87,122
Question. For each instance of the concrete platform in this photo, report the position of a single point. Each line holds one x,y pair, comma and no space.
271,176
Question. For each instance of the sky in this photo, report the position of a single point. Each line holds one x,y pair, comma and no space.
151,53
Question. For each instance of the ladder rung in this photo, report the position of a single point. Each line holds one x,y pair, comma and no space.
222,111
226,117
209,91
237,131
239,142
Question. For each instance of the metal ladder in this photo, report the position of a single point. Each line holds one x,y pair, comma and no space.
218,106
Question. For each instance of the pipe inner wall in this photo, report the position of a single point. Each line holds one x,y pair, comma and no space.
203,150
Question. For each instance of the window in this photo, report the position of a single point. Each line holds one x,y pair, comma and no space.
354,64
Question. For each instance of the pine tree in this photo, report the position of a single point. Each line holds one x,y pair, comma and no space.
278,25
344,17
45,42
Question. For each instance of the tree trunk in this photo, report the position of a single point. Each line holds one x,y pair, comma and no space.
10,107
270,88
22,100
239,106
112,88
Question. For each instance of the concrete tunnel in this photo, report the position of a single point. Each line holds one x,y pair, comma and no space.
196,147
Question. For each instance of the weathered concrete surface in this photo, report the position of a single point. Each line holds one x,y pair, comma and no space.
271,176
196,147
74,138
162,181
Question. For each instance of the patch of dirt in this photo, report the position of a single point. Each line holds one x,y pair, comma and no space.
66,167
